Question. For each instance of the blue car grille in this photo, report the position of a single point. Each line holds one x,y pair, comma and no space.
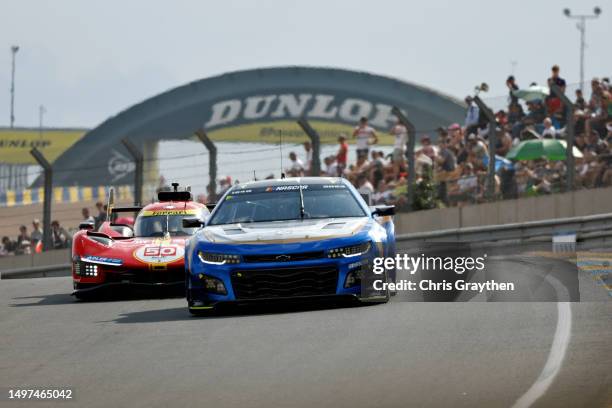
284,282
301,256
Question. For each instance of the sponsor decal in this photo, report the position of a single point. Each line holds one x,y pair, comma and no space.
153,213
119,165
241,191
156,254
102,260
291,188
15,144
268,131
294,106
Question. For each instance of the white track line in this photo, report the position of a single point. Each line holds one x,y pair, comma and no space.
558,349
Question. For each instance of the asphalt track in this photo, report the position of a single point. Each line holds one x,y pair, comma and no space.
151,353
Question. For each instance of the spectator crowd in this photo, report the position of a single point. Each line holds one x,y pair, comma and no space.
451,167
31,241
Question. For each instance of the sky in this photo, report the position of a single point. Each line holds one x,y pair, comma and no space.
86,61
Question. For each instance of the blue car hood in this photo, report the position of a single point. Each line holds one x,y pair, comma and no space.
286,231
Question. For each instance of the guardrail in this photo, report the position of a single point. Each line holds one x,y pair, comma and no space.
592,229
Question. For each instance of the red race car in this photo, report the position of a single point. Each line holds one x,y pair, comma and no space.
148,254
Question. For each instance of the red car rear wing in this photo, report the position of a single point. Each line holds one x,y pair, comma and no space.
125,209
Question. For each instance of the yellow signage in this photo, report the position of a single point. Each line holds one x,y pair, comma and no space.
15,144
291,133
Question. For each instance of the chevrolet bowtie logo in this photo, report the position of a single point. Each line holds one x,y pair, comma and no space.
283,258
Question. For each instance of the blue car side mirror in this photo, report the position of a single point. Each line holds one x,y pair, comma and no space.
383,210
192,222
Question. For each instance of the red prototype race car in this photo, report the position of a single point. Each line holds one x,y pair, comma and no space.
148,254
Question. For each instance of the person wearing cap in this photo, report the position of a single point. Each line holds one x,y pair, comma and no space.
37,234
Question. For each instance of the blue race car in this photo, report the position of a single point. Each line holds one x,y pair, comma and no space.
292,238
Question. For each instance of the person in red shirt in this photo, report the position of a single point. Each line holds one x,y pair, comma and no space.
342,156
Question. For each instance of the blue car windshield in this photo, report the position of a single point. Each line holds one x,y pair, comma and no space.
281,203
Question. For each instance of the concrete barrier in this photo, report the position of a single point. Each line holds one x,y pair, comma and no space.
564,205
22,262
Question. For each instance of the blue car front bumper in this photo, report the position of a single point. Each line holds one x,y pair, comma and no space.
301,271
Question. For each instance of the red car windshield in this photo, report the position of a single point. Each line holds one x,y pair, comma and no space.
158,225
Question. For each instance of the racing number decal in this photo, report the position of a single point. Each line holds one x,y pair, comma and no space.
159,251
159,254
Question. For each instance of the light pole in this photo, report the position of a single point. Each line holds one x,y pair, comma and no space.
581,25
41,112
14,50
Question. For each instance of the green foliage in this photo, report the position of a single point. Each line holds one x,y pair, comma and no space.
425,193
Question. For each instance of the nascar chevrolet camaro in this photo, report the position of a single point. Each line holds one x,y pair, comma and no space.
291,238
149,254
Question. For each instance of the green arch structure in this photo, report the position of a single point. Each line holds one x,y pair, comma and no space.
248,106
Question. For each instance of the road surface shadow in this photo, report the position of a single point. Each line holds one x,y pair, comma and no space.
67,298
45,300
273,308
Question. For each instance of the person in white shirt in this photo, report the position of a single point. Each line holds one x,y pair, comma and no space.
331,168
549,131
364,187
401,138
308,150
86,217
366,136
297,166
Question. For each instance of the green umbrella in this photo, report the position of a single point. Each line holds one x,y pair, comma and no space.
532,93
551,149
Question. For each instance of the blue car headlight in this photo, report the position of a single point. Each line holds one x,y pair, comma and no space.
349,251
218,259
212,284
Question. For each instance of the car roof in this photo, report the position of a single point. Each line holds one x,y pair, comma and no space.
290,181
